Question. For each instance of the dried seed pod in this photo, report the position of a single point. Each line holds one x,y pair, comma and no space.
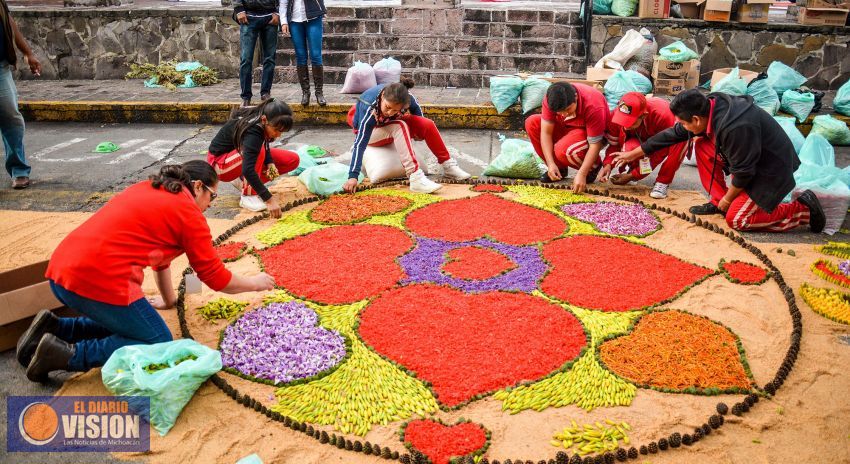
609,458
715,421
653,447
662,444
675,440
737,409
643,450
722,408
576,459
706,429
562,458
622,454
687,440
633,453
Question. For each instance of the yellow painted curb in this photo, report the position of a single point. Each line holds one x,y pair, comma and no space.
446,116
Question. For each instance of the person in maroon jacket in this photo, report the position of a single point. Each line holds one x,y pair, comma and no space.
97,271
635,119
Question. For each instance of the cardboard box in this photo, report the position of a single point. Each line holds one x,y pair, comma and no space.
654,9
719,74
823,16
665,68
718,11
595,84
23,293
599,74
691,9
753,13
829,4
670,86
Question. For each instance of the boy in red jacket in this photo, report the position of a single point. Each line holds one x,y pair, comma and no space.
635,119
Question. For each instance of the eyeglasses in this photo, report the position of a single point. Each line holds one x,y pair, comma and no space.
213,195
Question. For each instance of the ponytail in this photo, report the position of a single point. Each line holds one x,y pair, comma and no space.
277,113
173,177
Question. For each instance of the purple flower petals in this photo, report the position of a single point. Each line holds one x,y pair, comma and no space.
281,342
615,218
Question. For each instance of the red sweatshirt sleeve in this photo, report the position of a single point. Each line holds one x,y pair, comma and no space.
196,240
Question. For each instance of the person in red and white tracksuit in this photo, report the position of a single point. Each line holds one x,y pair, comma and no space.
240,153
570,132
635,119
388,114
731,135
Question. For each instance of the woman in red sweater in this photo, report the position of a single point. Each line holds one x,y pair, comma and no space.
97,270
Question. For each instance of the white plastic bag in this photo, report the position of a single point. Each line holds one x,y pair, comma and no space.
383,163
359,78
387,71
626,48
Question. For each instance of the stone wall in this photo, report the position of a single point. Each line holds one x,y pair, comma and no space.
819,53
460,47
101,43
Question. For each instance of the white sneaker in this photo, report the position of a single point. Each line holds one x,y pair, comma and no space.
659,191
237,183
252,202
451,169
421,184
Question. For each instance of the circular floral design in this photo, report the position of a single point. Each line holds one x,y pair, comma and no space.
423,264
476,263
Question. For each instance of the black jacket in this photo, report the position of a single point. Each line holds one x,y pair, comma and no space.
313,9
256,6
8,53
756,150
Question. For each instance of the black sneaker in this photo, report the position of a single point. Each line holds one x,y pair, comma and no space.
591,176
817,220
44,322
546,180
703,210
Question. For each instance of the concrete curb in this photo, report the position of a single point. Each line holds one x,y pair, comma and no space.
446,116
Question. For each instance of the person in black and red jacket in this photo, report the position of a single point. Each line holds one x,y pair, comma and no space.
731,135
258,20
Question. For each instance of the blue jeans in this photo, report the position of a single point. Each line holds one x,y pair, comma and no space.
304,34
105,328
257,28
12,124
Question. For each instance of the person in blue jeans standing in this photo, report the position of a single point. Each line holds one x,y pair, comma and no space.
304,21
11,121
258,20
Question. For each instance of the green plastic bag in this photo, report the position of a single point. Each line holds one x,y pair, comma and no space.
326,179
623,82
732,84
790,128
306,158
764,96
517,160
798,104
169,389
533,91
624,8
677,52
782,77
842,100
504,91
833,130
312,150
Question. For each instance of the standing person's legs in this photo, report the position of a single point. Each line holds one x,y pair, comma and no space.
106,328
269,44
532,128
12,125
298,33
314,31
248,36
708,165
745,214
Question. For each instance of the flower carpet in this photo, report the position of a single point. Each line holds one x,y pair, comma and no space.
397,313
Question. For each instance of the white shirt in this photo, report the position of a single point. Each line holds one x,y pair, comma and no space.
299,13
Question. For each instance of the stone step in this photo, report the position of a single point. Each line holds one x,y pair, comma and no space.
422,76
415,44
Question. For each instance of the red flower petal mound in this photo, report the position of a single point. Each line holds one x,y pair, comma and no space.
675,350
338,265
344,209
744,273
442,442
493,188
636,276
485,215
230,251
476,263
470,344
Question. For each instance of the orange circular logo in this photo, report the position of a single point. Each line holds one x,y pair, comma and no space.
38,423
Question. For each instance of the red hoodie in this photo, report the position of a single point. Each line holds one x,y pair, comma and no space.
103,259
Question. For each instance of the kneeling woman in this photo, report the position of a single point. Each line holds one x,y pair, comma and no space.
97,270
389,114
240,153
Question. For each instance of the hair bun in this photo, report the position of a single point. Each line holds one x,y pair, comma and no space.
407,82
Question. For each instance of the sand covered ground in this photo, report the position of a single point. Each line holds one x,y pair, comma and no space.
807,421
